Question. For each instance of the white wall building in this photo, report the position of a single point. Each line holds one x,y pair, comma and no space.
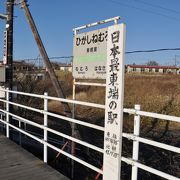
152,69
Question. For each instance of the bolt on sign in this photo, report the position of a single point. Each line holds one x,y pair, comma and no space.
90,54
114,102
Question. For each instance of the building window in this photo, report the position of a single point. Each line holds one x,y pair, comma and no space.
156,70
169,71
142,69
134,69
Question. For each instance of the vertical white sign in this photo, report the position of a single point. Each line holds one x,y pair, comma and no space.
114,102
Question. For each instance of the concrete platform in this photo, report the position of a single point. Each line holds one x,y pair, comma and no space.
18,164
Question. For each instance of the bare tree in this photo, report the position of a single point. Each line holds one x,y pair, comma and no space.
152,63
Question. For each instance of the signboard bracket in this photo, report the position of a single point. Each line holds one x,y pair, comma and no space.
115,19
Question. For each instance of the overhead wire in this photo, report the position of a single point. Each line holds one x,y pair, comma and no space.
153,50
157,6
127,52
144,10
58,57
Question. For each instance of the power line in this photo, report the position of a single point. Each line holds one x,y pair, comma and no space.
144,10
61,57
157,6
127,52
56,57
153,50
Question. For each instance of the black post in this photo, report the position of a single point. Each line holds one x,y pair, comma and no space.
9,29
9,53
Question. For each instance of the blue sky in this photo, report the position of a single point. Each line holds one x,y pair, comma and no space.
148,27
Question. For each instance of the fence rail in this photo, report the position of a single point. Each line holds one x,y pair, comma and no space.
132,137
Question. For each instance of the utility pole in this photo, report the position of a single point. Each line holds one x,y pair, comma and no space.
45,57
8,56
50,69
9,53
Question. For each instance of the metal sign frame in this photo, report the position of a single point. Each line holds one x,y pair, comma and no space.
89,51
111,165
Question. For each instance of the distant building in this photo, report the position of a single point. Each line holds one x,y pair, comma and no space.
20,66
65,67
22,69
152,69
57,66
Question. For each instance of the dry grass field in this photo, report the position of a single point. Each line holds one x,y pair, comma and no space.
160,94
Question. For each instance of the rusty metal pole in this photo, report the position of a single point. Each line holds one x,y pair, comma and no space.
51,72
45,57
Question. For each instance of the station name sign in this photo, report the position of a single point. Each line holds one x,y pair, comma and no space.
100,54
90,54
